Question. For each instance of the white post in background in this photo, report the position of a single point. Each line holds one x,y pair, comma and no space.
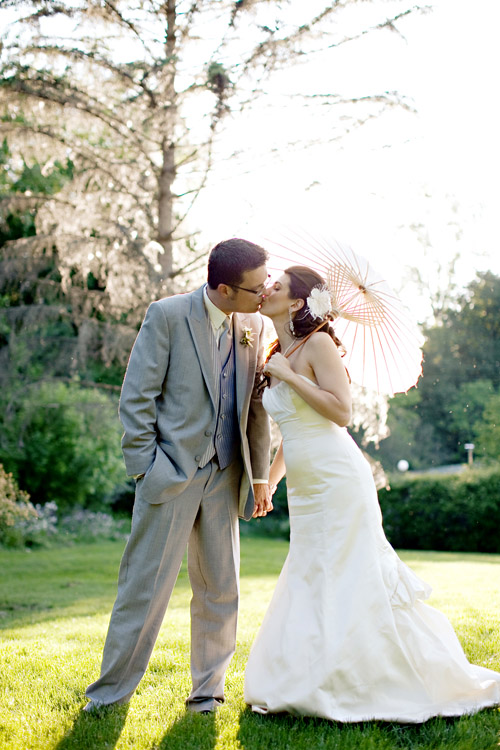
469,447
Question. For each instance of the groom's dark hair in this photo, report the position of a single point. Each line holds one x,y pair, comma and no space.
229,260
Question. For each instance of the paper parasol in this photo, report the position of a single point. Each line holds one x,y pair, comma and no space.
382,341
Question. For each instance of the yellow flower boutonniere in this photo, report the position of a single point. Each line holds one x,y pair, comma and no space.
247,338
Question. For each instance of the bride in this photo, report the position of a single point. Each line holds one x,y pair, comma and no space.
347,635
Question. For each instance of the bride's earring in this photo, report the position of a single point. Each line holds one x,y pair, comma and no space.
292,329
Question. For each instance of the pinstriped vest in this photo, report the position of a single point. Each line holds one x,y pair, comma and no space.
227,423
225,439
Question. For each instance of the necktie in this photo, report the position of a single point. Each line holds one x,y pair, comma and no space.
225,340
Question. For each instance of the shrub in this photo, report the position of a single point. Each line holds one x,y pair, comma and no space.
458,512
62,443
15,506
37,531
46,528
87,526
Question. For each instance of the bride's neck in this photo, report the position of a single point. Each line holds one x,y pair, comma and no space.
284,337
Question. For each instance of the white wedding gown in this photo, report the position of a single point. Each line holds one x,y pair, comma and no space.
347,635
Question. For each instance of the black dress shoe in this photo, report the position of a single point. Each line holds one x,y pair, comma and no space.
215,705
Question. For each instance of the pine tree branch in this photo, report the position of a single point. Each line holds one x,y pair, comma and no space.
56,90
121,71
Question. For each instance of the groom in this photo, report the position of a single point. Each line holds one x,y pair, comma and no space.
196,439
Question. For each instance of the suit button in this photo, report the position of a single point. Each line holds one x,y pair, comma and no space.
197,458
224,374
208,433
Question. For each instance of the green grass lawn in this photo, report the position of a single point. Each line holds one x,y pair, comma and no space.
54,610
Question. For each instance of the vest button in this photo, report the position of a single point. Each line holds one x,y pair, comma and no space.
224,374
197,458
208,433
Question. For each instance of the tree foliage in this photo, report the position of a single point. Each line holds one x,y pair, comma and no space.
456,401
487,430
48,328
463,350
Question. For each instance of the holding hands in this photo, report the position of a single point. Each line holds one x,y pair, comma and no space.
263,500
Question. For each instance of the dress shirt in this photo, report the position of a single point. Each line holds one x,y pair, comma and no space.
216,315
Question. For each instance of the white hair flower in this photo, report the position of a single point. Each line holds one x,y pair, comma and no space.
319,302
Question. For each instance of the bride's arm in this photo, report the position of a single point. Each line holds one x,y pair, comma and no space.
277,471
333,397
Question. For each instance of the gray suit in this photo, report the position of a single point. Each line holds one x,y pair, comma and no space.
168,408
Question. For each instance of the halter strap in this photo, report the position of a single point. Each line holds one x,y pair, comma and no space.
303,341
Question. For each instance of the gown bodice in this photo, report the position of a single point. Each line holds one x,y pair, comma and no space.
290,411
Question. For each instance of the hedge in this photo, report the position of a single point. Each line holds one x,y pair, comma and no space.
459,512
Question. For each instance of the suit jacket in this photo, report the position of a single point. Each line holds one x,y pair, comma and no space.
167,404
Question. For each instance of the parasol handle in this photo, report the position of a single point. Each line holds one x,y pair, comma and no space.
303,341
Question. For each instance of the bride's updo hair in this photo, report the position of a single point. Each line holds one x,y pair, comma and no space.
302,281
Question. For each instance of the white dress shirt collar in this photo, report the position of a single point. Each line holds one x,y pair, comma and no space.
216,315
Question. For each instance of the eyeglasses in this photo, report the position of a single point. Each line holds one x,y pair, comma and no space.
258,291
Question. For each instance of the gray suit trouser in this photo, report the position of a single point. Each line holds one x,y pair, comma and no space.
205,517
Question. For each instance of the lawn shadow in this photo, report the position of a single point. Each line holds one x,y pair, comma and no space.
257,731
95,730
77,581
191,731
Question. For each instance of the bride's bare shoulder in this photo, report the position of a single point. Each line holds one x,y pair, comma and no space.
321,341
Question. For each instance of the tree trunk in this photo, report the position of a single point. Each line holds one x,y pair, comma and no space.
168,170
165,207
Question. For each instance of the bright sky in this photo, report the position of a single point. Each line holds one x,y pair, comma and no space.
436,171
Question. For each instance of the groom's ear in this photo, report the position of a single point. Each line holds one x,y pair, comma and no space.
225,291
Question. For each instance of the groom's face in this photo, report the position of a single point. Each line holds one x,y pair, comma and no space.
247,296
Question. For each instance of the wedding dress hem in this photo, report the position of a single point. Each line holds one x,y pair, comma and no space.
419,718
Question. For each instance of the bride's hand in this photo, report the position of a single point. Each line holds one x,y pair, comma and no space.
278,367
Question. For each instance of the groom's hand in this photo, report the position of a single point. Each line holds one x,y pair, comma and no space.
263,500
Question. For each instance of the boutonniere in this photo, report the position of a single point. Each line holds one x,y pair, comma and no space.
247,338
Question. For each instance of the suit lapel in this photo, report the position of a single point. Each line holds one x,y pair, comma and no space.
244,357
203,340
